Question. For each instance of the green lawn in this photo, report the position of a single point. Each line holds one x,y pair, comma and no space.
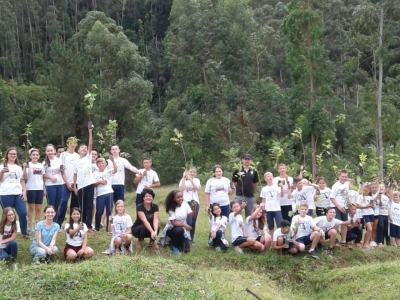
203,274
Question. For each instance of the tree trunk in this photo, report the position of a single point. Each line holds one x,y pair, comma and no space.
379,99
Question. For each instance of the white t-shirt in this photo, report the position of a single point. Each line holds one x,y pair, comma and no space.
323,199
189,193
150,178
340,192
11,182
94,168
118,178
121,224
284,200
180,213
83,171
278,233
219,190
326,225
395,213
53,170
305,227
270,194
353,196
252,231
215,222
77,240
236,226
103,189
384,209
68,162
305,195
363,201
35,176
7,234
376,208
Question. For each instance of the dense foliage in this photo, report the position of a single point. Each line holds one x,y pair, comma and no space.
288,81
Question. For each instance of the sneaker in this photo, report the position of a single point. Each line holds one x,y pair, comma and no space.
153,244
106,252
192,243
31,231
337,243
175,250
329,252
373,244
313,254
238,249
217,249
139,245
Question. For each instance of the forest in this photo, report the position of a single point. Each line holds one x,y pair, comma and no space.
200,82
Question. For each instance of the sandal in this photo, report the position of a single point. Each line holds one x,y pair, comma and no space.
366,247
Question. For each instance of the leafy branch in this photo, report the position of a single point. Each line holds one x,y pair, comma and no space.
178,140
90,98
27,144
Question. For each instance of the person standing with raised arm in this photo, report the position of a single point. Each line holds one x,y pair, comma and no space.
146,179
118,179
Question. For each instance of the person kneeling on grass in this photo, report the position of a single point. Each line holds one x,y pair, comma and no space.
306,231
284,239
238,234
328,224
217,228
256,227
8,235
76,233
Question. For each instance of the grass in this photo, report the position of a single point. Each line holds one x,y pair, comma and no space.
202,274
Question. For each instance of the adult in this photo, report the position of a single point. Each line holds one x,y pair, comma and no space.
118,179
218,189
12,187
190,186
8,235
245,180
146,179
146,224
44,244
68,161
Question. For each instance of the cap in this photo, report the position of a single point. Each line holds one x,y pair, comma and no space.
246,156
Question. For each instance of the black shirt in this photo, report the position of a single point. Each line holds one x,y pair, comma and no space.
148,213
244,182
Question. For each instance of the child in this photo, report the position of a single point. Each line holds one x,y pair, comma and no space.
146,179
354,229
238,235
365,203
306,231
321,197
76,232
328,224
255,226
120,225
269,195
8,235
376,196
383,218
394,219
217,228
304,193
284,239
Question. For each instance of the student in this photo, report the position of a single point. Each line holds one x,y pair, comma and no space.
255,226
339,198
394,220
54,182
217,228
118,179
44,243
104,191
121,226
218,189
321,197
284,240
238,234
8,235
302,192
270,196
287,181
95,155
383,203
177,229
146,224
146,179
376,196
190,186
84,181
76,232
354,228
59,150
366,204
306,231
328,225
33,172
12,187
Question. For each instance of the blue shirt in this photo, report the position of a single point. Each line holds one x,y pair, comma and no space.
47,234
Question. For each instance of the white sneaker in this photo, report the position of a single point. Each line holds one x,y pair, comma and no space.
238,249
107,252
373,244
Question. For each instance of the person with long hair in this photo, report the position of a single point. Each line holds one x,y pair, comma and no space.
44,243
33,172
146,224
12,187
8,235
217,229
53,179
256,226
76,232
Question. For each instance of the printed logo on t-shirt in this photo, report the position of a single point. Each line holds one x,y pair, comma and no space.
37,171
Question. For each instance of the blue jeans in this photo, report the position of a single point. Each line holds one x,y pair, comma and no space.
66,193
38,252
119,192
139,199
192,222
217,241
225,210
103,201
85,200
16,202
54,195
10,251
